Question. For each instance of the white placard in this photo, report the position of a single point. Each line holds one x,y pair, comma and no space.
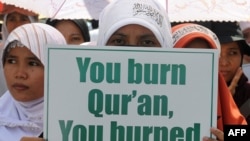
130,93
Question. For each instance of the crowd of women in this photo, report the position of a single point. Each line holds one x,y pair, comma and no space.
122,23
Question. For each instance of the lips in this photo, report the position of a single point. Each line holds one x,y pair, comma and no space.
18,86
224,72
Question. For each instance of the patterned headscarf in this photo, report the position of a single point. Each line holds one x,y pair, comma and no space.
35,36
186,32
18,119
147,13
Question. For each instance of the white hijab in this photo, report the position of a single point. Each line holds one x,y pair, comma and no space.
18,119
147,13
5,34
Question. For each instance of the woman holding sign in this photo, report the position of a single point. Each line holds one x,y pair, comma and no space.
122,31
189,35
149,30
21,107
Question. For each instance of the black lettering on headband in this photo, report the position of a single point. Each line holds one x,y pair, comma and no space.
148,11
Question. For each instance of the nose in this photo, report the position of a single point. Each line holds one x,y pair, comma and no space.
223,61
132,41
21,73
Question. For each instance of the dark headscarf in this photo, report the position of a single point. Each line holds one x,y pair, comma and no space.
81,23
230,32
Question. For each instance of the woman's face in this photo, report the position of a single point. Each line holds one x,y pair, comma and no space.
70,31
133,35
230,60
24,74
16,19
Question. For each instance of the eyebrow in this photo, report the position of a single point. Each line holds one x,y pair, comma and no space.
234,47
142,36
76,34
29,58
119,34
148,35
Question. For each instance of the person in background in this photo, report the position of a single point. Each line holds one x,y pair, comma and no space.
21,106
230,63
190,35
74,31
12,17
245,28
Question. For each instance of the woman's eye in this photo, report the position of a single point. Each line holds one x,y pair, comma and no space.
34,63
75,39
11,19
117,42
148,43
25,19
10,61
233,52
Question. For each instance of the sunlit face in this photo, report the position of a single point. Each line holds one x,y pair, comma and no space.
24,74
133,35
70,31
198,43
16,19
230,60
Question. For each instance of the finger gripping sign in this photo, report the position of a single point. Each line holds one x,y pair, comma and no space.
129,94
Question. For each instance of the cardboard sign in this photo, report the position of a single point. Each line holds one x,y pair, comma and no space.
130,93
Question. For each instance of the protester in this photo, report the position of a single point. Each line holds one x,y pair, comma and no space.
21,107
74,31
190,35
12,17
230,62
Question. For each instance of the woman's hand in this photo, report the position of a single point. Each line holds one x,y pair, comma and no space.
235,80
218,133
